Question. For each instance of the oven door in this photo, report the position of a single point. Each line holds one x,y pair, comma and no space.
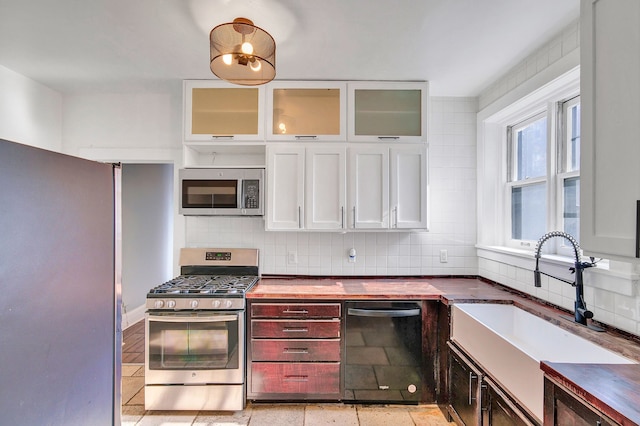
194,347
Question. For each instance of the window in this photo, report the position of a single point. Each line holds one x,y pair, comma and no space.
543,173
528,170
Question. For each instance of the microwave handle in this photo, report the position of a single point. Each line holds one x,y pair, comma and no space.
181,318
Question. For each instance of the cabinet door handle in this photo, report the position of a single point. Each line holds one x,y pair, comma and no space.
222,137
354,217
295,330
299,217
395,217
388,138
638,228
295,351
296,378
471,378
306,137
301,311
342,217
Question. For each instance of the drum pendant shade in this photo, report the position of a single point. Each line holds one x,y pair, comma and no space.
242,53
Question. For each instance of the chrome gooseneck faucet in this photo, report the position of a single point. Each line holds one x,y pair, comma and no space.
581,313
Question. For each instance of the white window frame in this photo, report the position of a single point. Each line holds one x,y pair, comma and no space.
563,171
551,106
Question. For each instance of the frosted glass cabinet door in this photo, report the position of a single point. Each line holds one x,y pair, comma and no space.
387,112
369,187
325,187
408,180
306,111
285,188
219,111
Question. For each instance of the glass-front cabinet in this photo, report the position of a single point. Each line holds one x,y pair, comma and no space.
306,111
219,111
387,111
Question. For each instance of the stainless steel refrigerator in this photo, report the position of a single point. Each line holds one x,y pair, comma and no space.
60,332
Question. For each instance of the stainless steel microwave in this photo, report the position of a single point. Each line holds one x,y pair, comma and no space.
221,192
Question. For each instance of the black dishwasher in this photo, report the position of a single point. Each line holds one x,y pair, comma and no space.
383,352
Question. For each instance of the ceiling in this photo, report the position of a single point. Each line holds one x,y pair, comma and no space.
460,46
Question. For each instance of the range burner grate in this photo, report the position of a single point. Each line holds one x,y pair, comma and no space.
206,284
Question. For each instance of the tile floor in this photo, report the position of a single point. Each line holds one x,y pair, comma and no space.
257,414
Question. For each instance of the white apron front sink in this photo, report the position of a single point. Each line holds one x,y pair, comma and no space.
509,344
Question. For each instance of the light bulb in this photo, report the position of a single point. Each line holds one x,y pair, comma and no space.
227,58
283,128
247,48
255,65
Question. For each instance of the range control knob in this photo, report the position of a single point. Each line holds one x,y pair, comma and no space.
158,304
171,303
193,304
228,303
216,303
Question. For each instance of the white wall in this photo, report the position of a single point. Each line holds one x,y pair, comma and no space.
564,44
452,182
611,292
30,113
126,122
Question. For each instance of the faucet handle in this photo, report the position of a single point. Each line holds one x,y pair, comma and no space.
584,265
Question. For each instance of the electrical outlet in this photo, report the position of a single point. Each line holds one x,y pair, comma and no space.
293,257
444,256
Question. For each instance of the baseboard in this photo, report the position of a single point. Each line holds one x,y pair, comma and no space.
132,316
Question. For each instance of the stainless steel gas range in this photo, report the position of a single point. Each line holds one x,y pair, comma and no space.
195,332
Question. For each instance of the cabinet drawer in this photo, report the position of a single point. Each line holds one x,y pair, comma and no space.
295,350
294,378
295,329
301,310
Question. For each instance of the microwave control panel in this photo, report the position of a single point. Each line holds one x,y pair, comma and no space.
251,193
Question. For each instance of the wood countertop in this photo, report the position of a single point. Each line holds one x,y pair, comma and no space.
589,381
614,389
445,289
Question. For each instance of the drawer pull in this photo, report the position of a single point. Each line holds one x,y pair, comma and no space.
295,351
302,311
295,330
296,378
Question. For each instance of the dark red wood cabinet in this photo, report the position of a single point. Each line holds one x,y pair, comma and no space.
294,351
563,408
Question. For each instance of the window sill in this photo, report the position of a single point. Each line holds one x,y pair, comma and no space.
611,276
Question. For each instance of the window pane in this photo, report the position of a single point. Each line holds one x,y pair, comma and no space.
573,137
571,212
528,212
531,150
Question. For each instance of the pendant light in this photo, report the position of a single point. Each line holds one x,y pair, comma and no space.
242,53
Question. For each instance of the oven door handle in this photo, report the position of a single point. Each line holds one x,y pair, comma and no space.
387,313
184,318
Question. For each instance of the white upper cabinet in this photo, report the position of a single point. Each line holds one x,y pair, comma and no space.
285,187
331,187
610,125
408,187
219,111
306,187
325,202
387,111
369,187
306,111
387,187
